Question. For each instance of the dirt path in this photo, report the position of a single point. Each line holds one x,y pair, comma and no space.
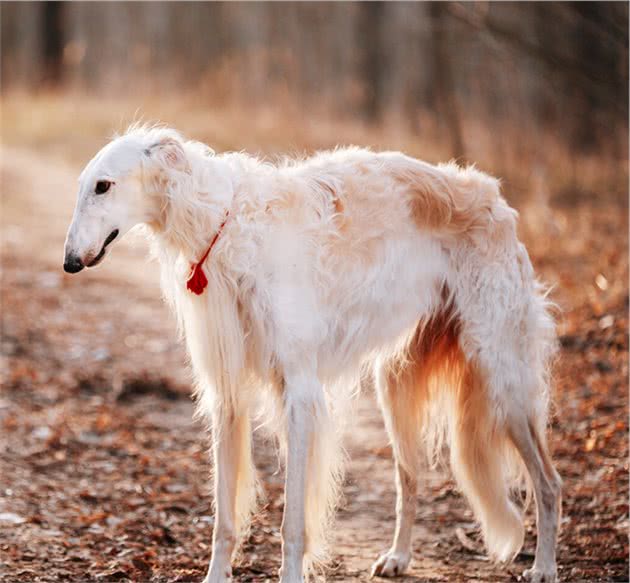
104,474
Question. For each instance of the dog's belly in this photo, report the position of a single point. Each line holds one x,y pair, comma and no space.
372,306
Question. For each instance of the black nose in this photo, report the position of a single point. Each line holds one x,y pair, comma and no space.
72,264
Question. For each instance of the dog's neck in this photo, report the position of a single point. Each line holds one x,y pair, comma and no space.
192,207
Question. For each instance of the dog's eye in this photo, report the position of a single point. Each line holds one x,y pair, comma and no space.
102,186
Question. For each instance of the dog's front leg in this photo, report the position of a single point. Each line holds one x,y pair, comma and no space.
227,436
302,396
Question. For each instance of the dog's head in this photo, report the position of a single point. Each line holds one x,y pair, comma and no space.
121,187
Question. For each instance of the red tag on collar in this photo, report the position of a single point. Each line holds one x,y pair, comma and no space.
197,280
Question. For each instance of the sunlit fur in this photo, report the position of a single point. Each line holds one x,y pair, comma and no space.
346,258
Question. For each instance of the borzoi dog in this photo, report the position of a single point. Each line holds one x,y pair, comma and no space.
287,278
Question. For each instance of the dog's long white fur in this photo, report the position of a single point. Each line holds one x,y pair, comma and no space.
324,264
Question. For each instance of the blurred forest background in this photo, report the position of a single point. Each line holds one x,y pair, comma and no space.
103,475
496,83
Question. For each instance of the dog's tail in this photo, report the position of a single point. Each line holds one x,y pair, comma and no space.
484,405
448,402
486,466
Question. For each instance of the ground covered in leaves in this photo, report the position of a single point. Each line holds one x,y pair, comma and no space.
104,474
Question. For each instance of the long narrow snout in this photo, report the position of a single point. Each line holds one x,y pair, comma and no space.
74,262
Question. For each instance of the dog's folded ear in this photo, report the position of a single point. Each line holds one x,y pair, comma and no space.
169,154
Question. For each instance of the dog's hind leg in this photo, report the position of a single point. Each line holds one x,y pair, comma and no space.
547,485
396,395
507,337
234,489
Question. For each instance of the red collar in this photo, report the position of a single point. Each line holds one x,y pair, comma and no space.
197,280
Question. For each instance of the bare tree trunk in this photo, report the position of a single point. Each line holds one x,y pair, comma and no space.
52,35
444,87
371,40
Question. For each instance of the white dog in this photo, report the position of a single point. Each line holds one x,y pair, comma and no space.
285,278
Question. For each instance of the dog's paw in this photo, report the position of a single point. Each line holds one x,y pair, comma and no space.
538,575
291,578
390,564
222,575
291,570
